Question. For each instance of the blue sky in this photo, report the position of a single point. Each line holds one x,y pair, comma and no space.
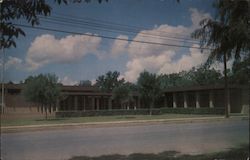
77,57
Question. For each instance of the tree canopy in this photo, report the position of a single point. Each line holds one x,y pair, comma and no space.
228,33
85,83
29,10
43,90
149,87
109,81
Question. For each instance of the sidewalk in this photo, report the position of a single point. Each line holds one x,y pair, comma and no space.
26,128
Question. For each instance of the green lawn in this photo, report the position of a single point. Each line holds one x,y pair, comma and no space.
240,153
51,120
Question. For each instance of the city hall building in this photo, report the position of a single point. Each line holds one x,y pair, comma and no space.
79,98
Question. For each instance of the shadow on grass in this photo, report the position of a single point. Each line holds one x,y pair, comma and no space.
51,119
126,117
240,153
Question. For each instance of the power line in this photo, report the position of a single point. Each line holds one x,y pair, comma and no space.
122,27
119,24
61,22
109,37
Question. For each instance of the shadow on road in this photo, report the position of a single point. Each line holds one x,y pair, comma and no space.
240,153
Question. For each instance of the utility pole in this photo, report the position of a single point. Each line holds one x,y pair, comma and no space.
3,61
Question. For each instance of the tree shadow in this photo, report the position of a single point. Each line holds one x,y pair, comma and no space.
51,119
240,153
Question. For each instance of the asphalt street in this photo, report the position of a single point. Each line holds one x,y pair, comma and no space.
191,138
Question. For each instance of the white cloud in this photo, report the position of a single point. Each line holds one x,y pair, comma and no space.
13,62
119,46
186,62
48,49
93,81
67,81
197,16
150,63
162,59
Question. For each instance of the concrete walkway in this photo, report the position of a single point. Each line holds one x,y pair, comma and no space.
8,129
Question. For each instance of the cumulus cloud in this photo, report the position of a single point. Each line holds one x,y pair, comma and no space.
48,49
13,62
118,47
197,16
162,59
67,81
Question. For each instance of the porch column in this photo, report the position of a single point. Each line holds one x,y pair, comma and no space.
75,102
197,99
57,105
97,103
93,103
84,103
174,100
211,99
110,103
138,103
185,99
165,101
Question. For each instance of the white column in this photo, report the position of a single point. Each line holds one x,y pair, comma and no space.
185,99
165,101
97,103
93,103
174,100
139,103
84,102
211,99
57,105
110,103
197,99
75,102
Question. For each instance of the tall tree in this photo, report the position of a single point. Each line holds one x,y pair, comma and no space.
43,90
227,34
109,81
149,87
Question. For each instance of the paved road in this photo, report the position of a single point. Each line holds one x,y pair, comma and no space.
189,138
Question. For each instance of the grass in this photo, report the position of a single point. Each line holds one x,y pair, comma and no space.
240,153
52,120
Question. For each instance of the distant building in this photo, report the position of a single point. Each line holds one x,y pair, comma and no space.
91,98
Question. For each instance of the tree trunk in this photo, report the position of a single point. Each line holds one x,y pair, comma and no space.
42,108
46,112
50,108
226,90
151,107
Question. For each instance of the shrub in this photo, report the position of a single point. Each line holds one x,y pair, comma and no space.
140,112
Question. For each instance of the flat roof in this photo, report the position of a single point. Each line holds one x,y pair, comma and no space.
205,87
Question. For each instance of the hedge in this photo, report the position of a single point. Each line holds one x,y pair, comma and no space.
140,112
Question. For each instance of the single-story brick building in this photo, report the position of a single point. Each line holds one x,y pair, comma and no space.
80,98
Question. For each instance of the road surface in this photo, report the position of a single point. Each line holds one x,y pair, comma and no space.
191,138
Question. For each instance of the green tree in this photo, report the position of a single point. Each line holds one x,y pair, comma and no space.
85,83
28,10
227,34
109,81
122,93
241,71
149,88
42,90
204,76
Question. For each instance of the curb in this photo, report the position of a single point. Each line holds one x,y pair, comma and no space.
10,129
